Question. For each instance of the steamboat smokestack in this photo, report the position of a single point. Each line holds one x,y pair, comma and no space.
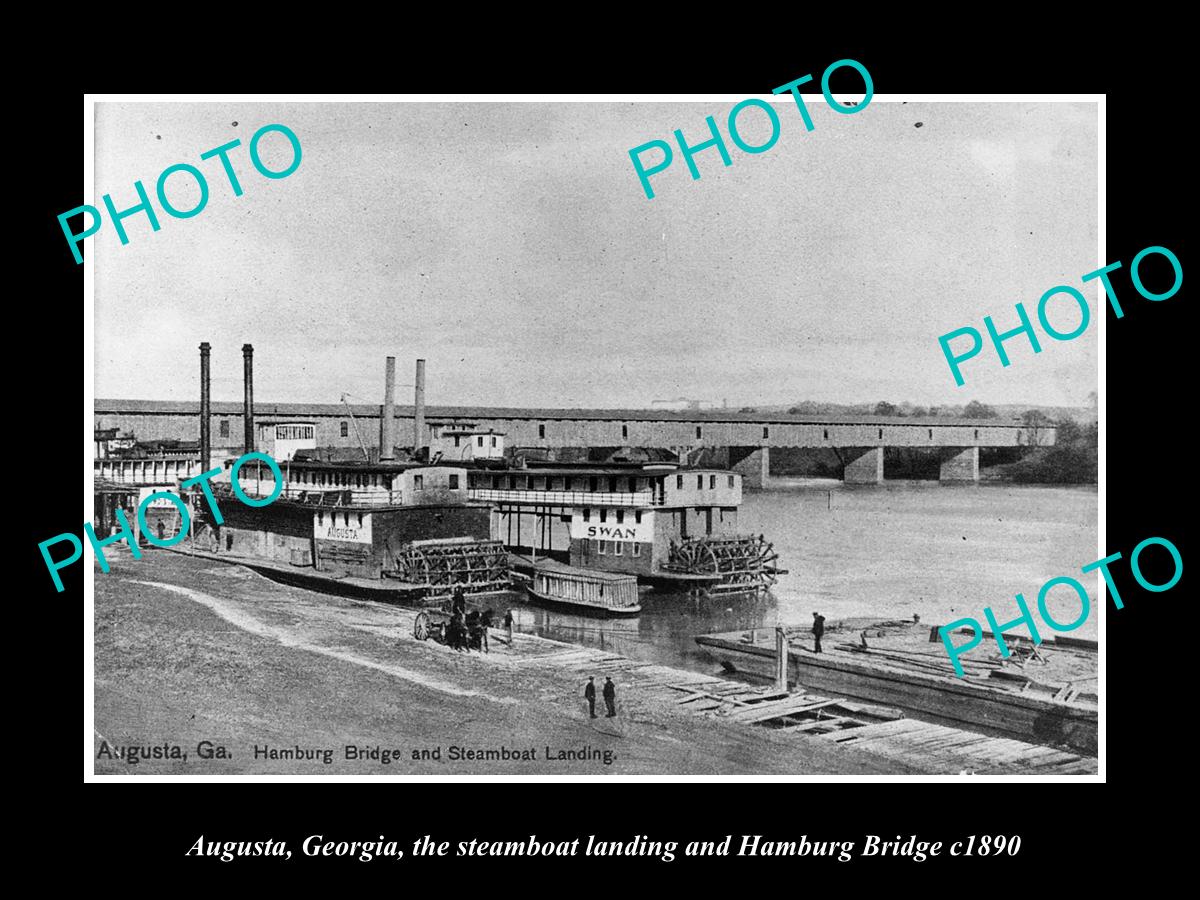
419,409
248,401
387,426
205,408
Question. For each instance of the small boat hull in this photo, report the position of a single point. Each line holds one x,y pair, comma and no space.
381,590
586,608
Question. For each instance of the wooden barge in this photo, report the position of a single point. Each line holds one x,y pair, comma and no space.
553,583
1048,696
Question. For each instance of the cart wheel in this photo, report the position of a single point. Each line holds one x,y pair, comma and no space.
421,626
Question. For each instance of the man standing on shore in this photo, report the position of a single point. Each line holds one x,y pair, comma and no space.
508,624
818,629
590,693
610,697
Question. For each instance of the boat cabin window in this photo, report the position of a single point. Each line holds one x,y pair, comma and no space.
712,482
637,516
453,482
637,549
604,515
620,516
587,514
766,431
699,482
603,548
541,431
556,484
731,481
826,434
479,440
679,481
624,431
699,431
881,433
345,429
457,440
418,482
493,442
617,545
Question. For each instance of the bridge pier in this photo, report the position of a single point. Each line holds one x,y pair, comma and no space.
755,468
961,466
865,469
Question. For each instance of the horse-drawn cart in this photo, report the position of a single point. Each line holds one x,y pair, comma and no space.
461,633
431,623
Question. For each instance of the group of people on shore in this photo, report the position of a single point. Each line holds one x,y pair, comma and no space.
610,697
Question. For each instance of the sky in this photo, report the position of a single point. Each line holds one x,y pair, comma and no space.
511,246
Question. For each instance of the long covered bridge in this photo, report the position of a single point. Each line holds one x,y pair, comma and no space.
746,438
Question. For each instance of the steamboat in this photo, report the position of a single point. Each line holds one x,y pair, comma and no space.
457,510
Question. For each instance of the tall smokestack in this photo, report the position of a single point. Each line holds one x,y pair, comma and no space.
419,408
205,408
387,426
248,401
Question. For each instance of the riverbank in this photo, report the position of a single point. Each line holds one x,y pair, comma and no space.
199,655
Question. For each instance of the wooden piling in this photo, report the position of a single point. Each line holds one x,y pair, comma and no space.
781,659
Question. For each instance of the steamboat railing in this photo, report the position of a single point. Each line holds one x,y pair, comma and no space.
568,498
324,497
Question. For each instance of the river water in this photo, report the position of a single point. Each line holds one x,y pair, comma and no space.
890,550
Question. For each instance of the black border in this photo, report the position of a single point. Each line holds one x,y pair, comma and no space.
1139,70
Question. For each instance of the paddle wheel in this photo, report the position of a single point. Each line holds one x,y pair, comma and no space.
740,562
441,566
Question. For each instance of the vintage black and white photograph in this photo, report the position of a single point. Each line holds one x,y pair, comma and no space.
637,436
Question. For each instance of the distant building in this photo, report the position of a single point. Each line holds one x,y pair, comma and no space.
457,443
108,440
679,404
282,440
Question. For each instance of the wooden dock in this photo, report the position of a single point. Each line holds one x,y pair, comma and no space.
882,730
962,751
1051,700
